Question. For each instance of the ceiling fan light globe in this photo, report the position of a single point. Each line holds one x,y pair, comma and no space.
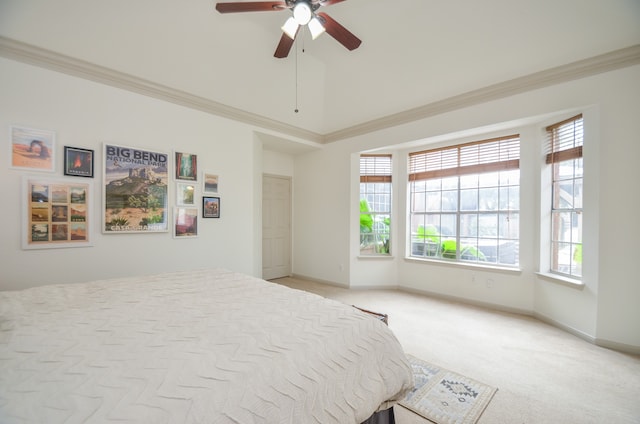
290,28
316,28
302,13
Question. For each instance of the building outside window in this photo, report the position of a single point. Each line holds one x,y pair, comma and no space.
465,202
375,204
564,158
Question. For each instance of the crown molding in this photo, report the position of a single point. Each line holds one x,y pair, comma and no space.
584,68
27,53
33,55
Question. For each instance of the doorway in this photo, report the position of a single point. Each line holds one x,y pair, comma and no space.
276,227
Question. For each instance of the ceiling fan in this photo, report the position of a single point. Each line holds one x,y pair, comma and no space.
304,12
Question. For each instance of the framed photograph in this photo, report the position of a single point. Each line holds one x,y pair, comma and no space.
135,195
57,213
78,162
210,207
185,194
185,222
209,183
186,166
33,149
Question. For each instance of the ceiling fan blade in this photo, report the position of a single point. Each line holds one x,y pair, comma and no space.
329,2
284,46
340,33
251,6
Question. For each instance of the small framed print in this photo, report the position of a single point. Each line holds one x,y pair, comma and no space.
33,149
186,166
209,183
185,222
57,213
78,162
185,194
210,207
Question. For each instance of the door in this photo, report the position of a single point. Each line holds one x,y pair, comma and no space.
276,227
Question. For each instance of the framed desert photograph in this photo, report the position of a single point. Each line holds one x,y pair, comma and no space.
135,195
186,166
78,162
57,213
209,183
210,207
32,149
185,222
185,194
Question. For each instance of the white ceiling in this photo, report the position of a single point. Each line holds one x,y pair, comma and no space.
413,52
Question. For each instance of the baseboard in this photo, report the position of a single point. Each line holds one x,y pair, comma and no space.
608,344
465,301
319,280
620,347
580,334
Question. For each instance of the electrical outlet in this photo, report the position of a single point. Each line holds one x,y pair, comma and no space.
489,283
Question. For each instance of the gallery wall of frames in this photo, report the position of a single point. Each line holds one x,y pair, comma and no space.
141,190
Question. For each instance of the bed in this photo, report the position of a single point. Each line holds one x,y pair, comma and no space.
202,346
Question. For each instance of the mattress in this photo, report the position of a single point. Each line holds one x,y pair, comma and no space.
203,346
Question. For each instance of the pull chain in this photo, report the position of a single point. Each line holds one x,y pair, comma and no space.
296,47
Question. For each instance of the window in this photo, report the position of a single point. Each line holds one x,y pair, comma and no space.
375,204
564,157
465,201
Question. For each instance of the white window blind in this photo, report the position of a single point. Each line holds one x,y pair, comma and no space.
375,168
491,155
564,140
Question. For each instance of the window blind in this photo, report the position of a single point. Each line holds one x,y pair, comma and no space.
375,168
496,154
564,140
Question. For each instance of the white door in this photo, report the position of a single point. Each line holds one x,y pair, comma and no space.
276,227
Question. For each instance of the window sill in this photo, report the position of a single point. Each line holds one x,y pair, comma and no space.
495,268
559,279
370,257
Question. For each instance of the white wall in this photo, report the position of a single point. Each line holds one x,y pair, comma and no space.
607,309
86,114
277,163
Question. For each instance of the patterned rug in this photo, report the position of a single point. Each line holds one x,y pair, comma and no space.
444,397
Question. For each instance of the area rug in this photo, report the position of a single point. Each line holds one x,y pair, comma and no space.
445,397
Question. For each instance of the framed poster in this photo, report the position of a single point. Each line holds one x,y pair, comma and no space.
57,213
186,166
135,195
210,207
185,222
185,194
78,162
209,183
33,149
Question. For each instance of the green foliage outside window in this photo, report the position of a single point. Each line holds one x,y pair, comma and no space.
374,230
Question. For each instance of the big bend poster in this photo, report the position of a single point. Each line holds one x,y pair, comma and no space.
135,190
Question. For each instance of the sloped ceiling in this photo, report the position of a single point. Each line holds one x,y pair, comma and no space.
414,53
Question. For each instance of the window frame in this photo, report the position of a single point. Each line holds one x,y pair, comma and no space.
564,143
472,160
375,170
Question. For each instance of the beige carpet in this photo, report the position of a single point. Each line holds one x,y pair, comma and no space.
544,374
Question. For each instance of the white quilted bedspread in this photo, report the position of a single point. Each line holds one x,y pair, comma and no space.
206,346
